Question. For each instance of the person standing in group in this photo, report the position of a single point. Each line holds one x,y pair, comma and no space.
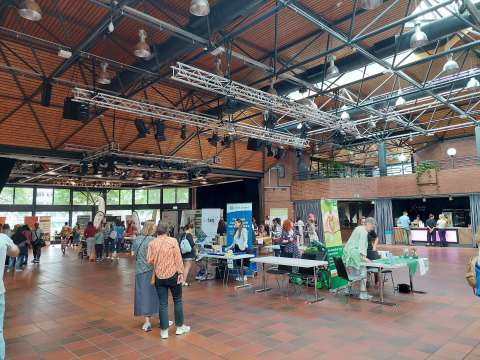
311,232
146,301
187,257
362,221
99,244
404,221
118,235
289,239
442,224
164,254
355,253
106,240
37,243
240,237
20,240
276,235
65,233
28,234
300,226
89,233
431,224
7,247
311,216
76,234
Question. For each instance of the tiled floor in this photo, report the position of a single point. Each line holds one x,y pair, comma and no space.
67,308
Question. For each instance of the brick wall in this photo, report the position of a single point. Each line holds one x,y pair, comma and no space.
456,181
465,147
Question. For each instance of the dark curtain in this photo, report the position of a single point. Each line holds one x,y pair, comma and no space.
6,166
305,208
218,196
384,217
475,215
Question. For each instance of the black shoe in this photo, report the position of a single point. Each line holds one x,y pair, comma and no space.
34,261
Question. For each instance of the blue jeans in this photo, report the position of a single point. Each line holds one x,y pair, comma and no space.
108,243
2,313
162,286
19,258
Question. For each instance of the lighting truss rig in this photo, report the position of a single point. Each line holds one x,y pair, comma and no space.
203,79
159,112
113,148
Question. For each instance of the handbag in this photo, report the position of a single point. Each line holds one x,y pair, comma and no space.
152,281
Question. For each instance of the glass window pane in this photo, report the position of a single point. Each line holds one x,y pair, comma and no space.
113,197
6,196
61,197
126,197
169,196
145,214
23,196
183,196
154,196
44,196
58,219
14,218
141,197
92,197
79,198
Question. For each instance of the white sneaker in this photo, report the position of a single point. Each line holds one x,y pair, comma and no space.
170,323
108,257
164,334
182,329
365,296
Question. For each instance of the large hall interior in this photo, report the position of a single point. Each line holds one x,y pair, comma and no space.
239,179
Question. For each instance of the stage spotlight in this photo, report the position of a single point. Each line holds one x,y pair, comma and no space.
226,142
84,168
280,153
151,164
129,163
270,149
183,136
105,172
139,163
160,131
270,120
96,167
161,166
230,105
213,140
141,129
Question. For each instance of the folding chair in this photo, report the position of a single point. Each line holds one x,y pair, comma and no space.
351,278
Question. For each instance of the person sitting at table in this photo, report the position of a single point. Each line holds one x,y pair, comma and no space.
355,253
289,239
262,232
129,229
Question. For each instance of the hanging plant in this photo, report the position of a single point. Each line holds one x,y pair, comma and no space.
425,167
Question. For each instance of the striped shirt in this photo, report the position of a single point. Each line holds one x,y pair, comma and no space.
169,260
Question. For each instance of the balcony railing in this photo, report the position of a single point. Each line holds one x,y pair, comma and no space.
392,169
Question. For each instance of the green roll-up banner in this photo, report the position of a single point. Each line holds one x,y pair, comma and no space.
333,239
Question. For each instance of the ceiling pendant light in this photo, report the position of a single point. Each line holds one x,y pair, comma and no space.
272,90
142,50
450,67
371,123
332,71
200,7
218,67
103,77
110,26
30,10
473,84
419,38
402,158
371,4
344,116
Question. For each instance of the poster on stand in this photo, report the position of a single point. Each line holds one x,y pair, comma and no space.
171,217
3,220
279,213
83,221
243,212
193,217
30,221
210,219
333,240
45,223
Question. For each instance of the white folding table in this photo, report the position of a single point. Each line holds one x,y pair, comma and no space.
233,257
277,247
274,260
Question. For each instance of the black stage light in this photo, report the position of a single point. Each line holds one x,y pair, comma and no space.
213,140
111,161
38,169
84,168
270,149
280,151
96,167
269,121
151,164
46,94
298,153
183,136
139,163
161,166
227,141
115,160
105,172
83,112
141,129
129,163
303,135
160,131
230,105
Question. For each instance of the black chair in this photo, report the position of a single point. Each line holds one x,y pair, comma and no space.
373,255
305,274
281,270
351,278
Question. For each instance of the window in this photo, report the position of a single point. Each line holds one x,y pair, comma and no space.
6,196
141,197
183,196
113,197
58,219
169,196
44,196
14,218
23,196
154,196
126,197
145,215
79,198
92,197
61,197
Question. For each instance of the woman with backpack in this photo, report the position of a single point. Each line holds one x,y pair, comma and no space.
116,234
187,256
